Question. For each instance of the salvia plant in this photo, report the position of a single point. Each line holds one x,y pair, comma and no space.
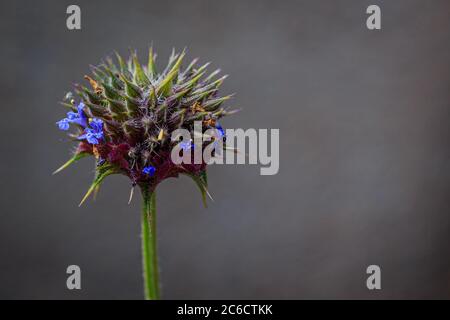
124,118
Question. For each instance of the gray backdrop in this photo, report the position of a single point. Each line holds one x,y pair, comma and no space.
364,175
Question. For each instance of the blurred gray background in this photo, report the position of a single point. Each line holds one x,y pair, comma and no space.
364,149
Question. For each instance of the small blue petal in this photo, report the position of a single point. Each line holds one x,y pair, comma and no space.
80,108
149,170
95,133
63,124
72,116
78,117
96,124
91,138
221,131
81,115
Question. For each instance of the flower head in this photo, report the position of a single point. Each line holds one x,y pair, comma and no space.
127,116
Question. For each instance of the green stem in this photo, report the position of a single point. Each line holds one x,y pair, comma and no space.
149,252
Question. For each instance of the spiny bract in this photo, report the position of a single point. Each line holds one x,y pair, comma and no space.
125,120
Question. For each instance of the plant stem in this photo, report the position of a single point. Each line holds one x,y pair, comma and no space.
149,252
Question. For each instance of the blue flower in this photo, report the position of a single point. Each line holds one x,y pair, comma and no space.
73,117
221,131
149,170
63,124
220,135
97,125
94,133
78,117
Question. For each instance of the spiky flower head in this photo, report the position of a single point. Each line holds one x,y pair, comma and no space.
127,114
